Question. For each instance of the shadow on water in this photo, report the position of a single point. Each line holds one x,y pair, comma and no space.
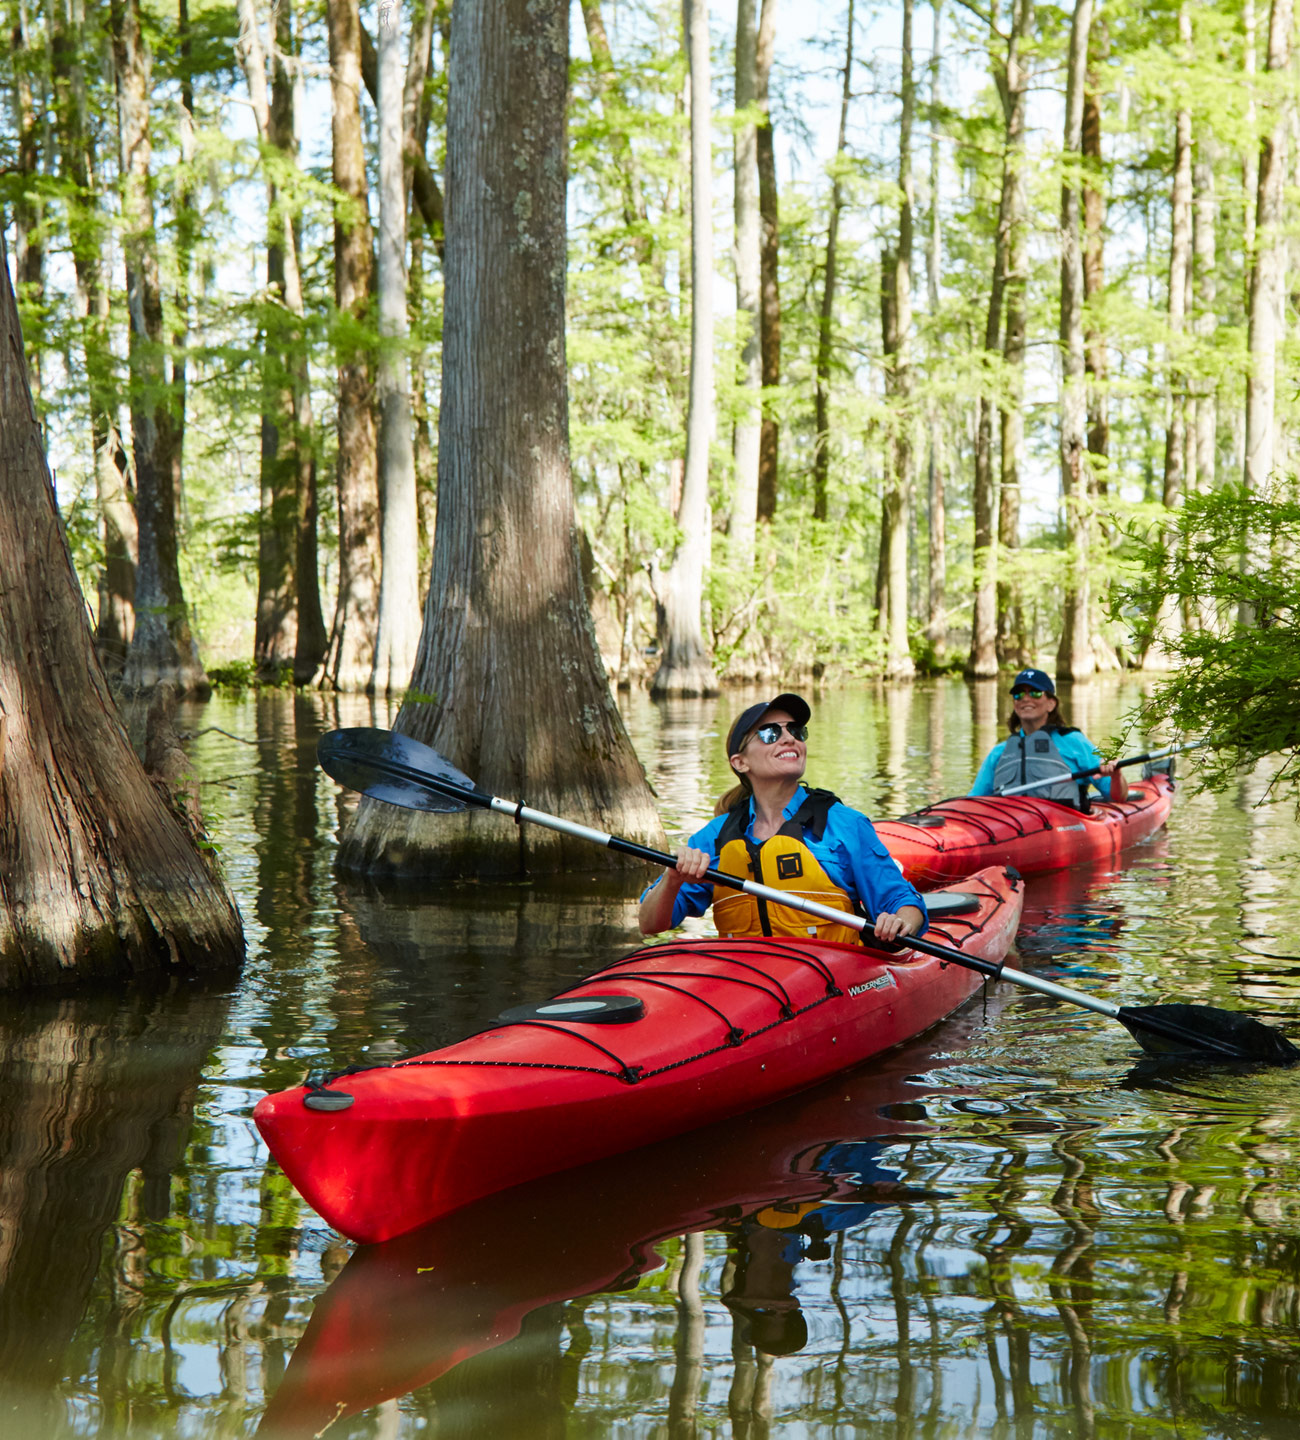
1000,1231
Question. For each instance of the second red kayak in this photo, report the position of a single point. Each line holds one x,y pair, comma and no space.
943,842
673,1037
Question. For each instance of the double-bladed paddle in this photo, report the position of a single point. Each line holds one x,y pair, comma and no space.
391,767
1096,769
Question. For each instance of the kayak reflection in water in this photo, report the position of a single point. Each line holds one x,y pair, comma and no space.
768,1245
1041,746
773,829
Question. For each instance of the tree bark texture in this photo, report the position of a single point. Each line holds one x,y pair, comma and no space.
1268,262
1074,657
826,315
896,504
350,660
770,258
162,644
748,432
685,667
509,683
399,598
98,878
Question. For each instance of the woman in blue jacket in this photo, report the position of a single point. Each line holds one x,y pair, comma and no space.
1041,747
773,829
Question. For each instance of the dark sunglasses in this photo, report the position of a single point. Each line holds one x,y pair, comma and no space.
1023,694
770,733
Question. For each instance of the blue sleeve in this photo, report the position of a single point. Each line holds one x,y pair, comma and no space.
984,780
875,875
1080,755
695,899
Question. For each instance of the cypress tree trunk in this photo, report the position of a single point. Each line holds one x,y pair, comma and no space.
685,667
163,647
1094,264
826,317
1013,644
1205,288
399,600
770,255
1269,264
896,503
27,64
1074,656
936,628
508,654
98,878
350,660
77,162
1011,78
744,509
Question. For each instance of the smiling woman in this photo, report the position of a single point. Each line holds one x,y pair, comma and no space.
1042,745
773,829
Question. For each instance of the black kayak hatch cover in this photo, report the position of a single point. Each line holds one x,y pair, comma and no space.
584,1009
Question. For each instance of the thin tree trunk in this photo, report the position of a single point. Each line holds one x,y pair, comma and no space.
770,255
399,601
350,660
1250,159
163,647
1013,645
508,654
116,588
1180,260
744,507
1268,267
685,667
826,315
1012,80
1096,364
895,508
936,629
27,63
101,879
1074,657
1206,322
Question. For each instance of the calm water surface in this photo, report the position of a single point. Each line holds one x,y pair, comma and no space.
1009,1228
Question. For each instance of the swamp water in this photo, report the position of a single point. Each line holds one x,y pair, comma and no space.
1010,1227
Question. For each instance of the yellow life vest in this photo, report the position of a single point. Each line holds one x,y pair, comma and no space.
782,862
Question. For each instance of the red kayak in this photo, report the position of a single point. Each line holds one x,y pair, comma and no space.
943,842
673,1037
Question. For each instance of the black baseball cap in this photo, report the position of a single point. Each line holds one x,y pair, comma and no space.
747,719
1035,680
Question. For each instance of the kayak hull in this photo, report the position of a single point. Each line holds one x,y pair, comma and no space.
727,1026
957,837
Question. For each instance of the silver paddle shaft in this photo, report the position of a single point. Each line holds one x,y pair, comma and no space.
1085,774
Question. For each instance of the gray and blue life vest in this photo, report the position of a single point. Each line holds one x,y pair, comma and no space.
1027,758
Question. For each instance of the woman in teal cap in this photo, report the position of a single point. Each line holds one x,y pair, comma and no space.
1042,747
773,829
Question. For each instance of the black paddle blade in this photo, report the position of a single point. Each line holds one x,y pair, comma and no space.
1206,1033
392,768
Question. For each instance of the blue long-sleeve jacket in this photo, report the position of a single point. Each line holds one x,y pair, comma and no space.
849,851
